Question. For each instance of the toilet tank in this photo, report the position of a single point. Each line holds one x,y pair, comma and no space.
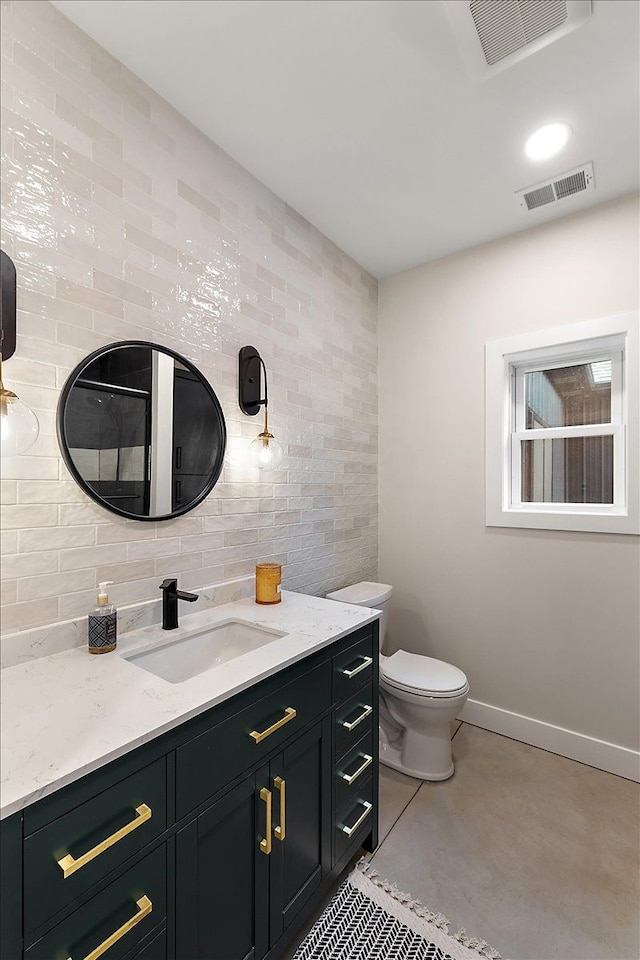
367,594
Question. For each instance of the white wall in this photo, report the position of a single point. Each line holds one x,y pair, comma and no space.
127,223
545,624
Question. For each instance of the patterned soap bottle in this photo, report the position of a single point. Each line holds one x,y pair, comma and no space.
103,623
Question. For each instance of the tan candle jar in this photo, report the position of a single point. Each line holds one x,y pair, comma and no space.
268,579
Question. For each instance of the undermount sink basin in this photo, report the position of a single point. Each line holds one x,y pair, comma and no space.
189,656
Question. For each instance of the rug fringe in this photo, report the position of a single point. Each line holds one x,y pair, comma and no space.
473,943
416,906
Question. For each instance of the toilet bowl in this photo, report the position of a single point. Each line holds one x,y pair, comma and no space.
419,698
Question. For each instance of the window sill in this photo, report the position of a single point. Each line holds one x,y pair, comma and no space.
586,521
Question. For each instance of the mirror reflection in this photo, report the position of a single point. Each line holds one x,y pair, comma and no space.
141,430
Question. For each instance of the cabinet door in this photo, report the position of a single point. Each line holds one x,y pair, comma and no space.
11,887
222,878
300,782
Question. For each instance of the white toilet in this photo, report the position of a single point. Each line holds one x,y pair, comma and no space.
419,698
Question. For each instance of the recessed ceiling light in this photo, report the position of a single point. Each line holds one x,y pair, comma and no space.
547,140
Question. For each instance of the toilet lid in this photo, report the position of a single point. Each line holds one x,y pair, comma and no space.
364,594
414,673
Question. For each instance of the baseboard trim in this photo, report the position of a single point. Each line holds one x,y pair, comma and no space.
567,743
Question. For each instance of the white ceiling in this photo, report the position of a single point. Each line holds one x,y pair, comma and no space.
361,115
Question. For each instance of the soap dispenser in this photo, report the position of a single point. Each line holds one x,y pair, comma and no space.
103,623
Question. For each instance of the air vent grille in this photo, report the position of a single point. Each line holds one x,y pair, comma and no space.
570,183
505,26
494,35
538,198
574,183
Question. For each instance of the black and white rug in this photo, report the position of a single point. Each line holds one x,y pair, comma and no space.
370,919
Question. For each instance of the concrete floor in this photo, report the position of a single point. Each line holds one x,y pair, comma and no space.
537,854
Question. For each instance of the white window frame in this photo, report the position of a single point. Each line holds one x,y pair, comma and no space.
506,363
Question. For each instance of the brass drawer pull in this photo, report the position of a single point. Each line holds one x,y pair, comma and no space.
363,816
280,785
289,714
351,777
144,906
366,662
68,865
265,845
363,716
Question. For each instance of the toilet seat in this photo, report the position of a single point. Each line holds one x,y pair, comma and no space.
422,676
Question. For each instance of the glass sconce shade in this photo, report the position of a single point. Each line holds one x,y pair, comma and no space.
19,424
265,452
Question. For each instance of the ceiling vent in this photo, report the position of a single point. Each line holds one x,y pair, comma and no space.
495,34
566,185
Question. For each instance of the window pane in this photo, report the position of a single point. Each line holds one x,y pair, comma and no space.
568,396
567,470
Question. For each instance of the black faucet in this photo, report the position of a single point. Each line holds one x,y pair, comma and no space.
170,597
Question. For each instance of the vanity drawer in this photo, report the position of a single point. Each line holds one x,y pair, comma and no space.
353,666
92,840
353,769
123,913
212,760
353,719
153,949
354,820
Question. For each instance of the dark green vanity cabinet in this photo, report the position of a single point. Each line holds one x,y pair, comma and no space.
214,841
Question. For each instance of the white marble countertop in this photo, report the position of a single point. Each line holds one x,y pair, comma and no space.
70,713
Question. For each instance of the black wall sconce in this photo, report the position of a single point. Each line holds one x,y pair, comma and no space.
8,284
19,423
265,452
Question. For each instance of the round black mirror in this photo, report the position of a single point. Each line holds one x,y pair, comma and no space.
141,430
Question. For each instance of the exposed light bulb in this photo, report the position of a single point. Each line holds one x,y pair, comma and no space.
547,141
19,424
265,452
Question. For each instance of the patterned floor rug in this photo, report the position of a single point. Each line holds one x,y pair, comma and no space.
370,919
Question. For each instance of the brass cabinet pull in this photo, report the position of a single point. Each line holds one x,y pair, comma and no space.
265,845
351,777
366,662
367,810
68,865
280,785
144,906
289,714
363,716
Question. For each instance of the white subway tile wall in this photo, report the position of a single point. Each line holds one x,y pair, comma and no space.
125,222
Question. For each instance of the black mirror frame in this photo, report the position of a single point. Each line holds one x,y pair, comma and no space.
64,448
